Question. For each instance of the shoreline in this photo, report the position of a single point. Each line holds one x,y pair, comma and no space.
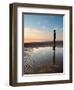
44,44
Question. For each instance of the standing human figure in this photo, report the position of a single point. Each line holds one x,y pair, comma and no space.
54,38
54,45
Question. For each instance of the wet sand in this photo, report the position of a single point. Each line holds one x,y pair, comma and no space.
42,60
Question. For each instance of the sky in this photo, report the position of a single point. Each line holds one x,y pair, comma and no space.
39,28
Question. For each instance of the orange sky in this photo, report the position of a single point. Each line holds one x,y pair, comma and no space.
36,35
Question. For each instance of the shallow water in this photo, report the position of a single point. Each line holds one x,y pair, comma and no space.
43,60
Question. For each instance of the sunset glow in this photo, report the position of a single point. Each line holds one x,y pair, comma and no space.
34,35
39,28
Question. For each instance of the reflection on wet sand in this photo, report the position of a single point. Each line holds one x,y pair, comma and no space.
54,57
43,60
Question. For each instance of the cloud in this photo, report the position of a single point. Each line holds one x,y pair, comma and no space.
36,35
39,35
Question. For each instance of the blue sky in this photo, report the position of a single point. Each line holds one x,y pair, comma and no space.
44,23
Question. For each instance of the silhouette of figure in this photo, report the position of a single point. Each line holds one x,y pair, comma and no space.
54,37
54,45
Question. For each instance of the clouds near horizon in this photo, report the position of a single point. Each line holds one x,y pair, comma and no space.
39,28
36,35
